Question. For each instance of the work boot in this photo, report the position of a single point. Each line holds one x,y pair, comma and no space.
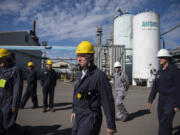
52,110
123,118
44,110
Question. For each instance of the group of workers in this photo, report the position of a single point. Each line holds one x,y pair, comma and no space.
48,83
92,91
11,87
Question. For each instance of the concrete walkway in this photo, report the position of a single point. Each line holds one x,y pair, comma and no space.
140,121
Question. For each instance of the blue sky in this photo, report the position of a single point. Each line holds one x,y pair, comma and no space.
68,22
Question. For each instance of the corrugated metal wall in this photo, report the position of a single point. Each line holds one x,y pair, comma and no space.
22,38
175,52
105,56
22,57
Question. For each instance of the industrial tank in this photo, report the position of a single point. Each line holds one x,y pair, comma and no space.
122,35
146,42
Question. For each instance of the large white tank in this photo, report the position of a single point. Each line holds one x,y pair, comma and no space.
122,31
122,35
146,42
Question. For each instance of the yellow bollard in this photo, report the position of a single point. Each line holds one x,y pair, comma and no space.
64,78
74,76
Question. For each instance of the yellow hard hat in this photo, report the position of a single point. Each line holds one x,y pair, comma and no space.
30,64
85,47
4,52
49,62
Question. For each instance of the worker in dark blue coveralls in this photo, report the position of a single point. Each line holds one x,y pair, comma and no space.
167,85
11,85
92,89
48,82
31,90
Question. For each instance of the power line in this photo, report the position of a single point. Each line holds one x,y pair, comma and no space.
170,30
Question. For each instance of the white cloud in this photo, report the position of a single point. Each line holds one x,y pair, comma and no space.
81,20
29,9
67,19
171,38
9,7
168,21
77,19
172,17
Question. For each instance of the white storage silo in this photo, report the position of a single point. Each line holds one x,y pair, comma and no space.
122,35
122,32
146,42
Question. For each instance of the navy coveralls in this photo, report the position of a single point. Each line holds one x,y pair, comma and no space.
48,82
10,96
167,85
31,89
95,90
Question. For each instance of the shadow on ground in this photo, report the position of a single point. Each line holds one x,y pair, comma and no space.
49,130
176,130
139,113
39,130
43,130
63,106
66,131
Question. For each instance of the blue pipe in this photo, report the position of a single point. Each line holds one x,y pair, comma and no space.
38,47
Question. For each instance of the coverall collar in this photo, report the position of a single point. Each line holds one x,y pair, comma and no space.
49,69
167,68
119,73
84,72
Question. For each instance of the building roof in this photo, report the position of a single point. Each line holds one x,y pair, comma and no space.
18,38
9,32
60,64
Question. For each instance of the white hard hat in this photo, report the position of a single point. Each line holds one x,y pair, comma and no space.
117,64
163,53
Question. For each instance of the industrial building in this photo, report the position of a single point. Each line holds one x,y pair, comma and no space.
175,52
122,35
23,38
64,67
140,34
135,42
105,56
146,44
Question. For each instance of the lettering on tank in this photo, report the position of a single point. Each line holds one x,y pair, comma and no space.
149,25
